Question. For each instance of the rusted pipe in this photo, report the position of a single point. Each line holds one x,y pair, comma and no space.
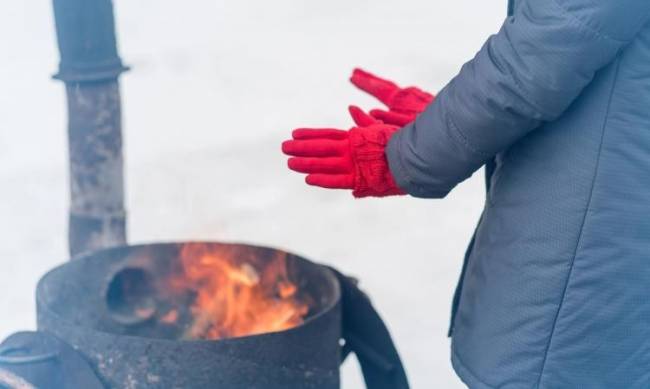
90,67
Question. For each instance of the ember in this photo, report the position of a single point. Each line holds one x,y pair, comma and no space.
235,294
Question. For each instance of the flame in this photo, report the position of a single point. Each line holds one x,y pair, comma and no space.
237,294
170,317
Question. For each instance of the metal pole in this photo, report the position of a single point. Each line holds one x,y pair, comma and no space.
90,67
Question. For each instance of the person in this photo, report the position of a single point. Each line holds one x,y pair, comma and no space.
555,288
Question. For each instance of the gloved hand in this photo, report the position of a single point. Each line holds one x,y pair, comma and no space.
339,159
404,104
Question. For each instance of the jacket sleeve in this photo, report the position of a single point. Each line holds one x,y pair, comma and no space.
529,73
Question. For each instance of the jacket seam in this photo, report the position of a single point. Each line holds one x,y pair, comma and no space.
540,112
537,107
584,26
463,139
582,225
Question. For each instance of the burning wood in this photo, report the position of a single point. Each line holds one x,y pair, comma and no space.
235,296
170,317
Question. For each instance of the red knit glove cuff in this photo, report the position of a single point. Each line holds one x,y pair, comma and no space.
372,174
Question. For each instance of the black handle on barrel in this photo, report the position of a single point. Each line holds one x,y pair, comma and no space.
366,335
30,360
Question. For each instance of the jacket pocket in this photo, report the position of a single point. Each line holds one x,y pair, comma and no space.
496,178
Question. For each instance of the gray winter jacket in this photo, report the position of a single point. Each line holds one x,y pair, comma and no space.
555,291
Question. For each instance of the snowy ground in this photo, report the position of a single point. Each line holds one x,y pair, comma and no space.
215,87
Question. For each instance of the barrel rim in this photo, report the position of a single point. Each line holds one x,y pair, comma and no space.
42,305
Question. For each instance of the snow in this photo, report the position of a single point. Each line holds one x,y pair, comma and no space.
215,88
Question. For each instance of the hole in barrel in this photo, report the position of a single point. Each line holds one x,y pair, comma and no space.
130,296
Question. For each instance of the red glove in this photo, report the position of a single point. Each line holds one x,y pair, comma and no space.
338,159
404,104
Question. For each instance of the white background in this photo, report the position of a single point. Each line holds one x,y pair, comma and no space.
215,88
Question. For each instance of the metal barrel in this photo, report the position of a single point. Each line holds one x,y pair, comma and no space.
71,304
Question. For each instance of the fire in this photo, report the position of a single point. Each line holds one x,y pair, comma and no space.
236,294
170,317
